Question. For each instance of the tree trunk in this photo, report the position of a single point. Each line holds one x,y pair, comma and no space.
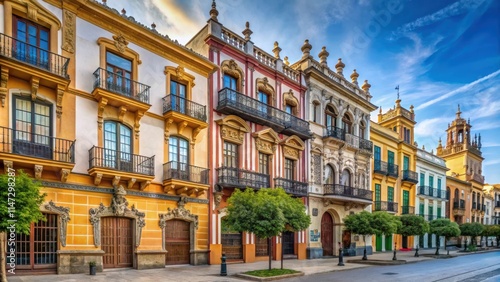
269,251
3,251
281,251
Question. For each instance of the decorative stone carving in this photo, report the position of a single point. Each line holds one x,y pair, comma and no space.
144,185
291,147
8,165
290,99
266,140
120,42
69,24
327,202
119,207
179,213
63,218
32,12
4,77
217,199
316,169
97,179
60,94
350,206
233,129
100,111
168,122
121,113
137,124
35,83
38,171
64,174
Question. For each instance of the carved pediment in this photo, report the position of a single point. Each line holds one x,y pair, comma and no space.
233,129
292,146
290,99
178,213
231,68
266,140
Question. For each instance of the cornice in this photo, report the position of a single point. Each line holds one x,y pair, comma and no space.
150,39
317,74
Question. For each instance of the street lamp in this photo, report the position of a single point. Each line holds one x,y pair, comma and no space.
395,247
341,256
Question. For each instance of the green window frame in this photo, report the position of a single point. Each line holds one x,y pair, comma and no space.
390,194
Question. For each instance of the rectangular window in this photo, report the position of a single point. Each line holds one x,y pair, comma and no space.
406,163
431,211
229,82
289,109
377,153
431,181
390,157
230,154
263,163
289,169
119,74
377,197
422,179
32,42
390,194
421,208
439,212
406,198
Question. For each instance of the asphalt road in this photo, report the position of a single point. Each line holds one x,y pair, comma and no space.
469,268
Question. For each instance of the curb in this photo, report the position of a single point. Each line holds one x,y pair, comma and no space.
272,278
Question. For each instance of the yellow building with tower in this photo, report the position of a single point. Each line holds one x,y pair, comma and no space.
110,116
394,174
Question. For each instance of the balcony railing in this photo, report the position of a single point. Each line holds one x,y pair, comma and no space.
392,170
358,142
335,132
410,176
121,161
240,178
33,55
36,145
432,192
185,172
292,187
474,205
233,102
121,85
182,105
385,206
407,210
347,191
380,167
459,205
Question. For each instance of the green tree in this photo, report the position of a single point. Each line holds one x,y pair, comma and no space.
471,230
20,201
488,231
444,227
361,224
494,230
413,225
266,213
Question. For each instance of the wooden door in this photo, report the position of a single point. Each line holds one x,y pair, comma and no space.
38,250
177,242
117,242
327,234
288,241
261,247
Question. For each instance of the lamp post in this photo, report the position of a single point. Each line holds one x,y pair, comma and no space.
395,246
341,256
465,246
416,251
223,266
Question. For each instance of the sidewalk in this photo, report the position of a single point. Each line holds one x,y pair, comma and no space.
204,273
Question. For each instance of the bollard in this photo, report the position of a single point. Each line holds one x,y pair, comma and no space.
395,247
416,252
223,266
341,256
465,246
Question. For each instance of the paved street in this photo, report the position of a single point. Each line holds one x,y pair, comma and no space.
477,267
467,268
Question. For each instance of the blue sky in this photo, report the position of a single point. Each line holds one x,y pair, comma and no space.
441,53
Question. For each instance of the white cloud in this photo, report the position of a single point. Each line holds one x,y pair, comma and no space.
491,162
451,10
431,127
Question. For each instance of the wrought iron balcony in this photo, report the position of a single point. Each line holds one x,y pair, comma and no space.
407,210
432,192
240,178
335,132
359,143
347,191
185,172
110,159
393,170
121,85
410,176
36,145
185,107
385,206
474,205
380,167
33,55
459,205
233,102
292,187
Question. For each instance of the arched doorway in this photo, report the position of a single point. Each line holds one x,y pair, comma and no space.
117,242
327,234
232,244
177,242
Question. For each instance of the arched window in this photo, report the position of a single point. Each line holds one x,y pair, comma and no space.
230,82
178,150
315,111
329,175
330,117
460,137
345,178
362,129
456,197
118,145
347,124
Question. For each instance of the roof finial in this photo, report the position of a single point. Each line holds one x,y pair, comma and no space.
247,32
458,112
397,88
213,12
340,67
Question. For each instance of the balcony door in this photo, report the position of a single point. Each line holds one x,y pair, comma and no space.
377,158
119,74
31,43
345,178
178,155
231,162
178,90
406,163
118,146
289,169
32,128
390,161
329,175
331,121
377,197
264,102
230,82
